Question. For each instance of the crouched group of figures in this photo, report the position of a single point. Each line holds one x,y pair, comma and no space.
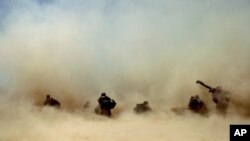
106,104
104,107
220,98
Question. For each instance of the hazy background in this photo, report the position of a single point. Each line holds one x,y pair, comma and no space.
133,50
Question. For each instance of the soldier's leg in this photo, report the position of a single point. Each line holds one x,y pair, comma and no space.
106,112
109,113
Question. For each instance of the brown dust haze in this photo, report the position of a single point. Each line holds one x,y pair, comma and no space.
133,51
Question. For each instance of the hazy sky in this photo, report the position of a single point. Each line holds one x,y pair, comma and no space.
130,45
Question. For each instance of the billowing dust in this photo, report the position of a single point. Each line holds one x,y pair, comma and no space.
133,51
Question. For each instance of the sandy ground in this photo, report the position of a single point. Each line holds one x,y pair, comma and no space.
29,122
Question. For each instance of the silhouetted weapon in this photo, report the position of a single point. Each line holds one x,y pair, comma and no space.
211,90
216,97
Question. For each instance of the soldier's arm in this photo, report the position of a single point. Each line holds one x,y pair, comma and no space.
108,98
99,99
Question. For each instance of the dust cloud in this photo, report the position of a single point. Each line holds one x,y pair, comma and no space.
133,51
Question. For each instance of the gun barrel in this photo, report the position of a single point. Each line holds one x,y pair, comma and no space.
203,84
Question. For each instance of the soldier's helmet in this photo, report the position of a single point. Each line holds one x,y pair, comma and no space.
47,96
196,97
103,94
145,103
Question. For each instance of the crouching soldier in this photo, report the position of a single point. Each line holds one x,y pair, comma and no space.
142,108
51,102
197,105
106,104
221,99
